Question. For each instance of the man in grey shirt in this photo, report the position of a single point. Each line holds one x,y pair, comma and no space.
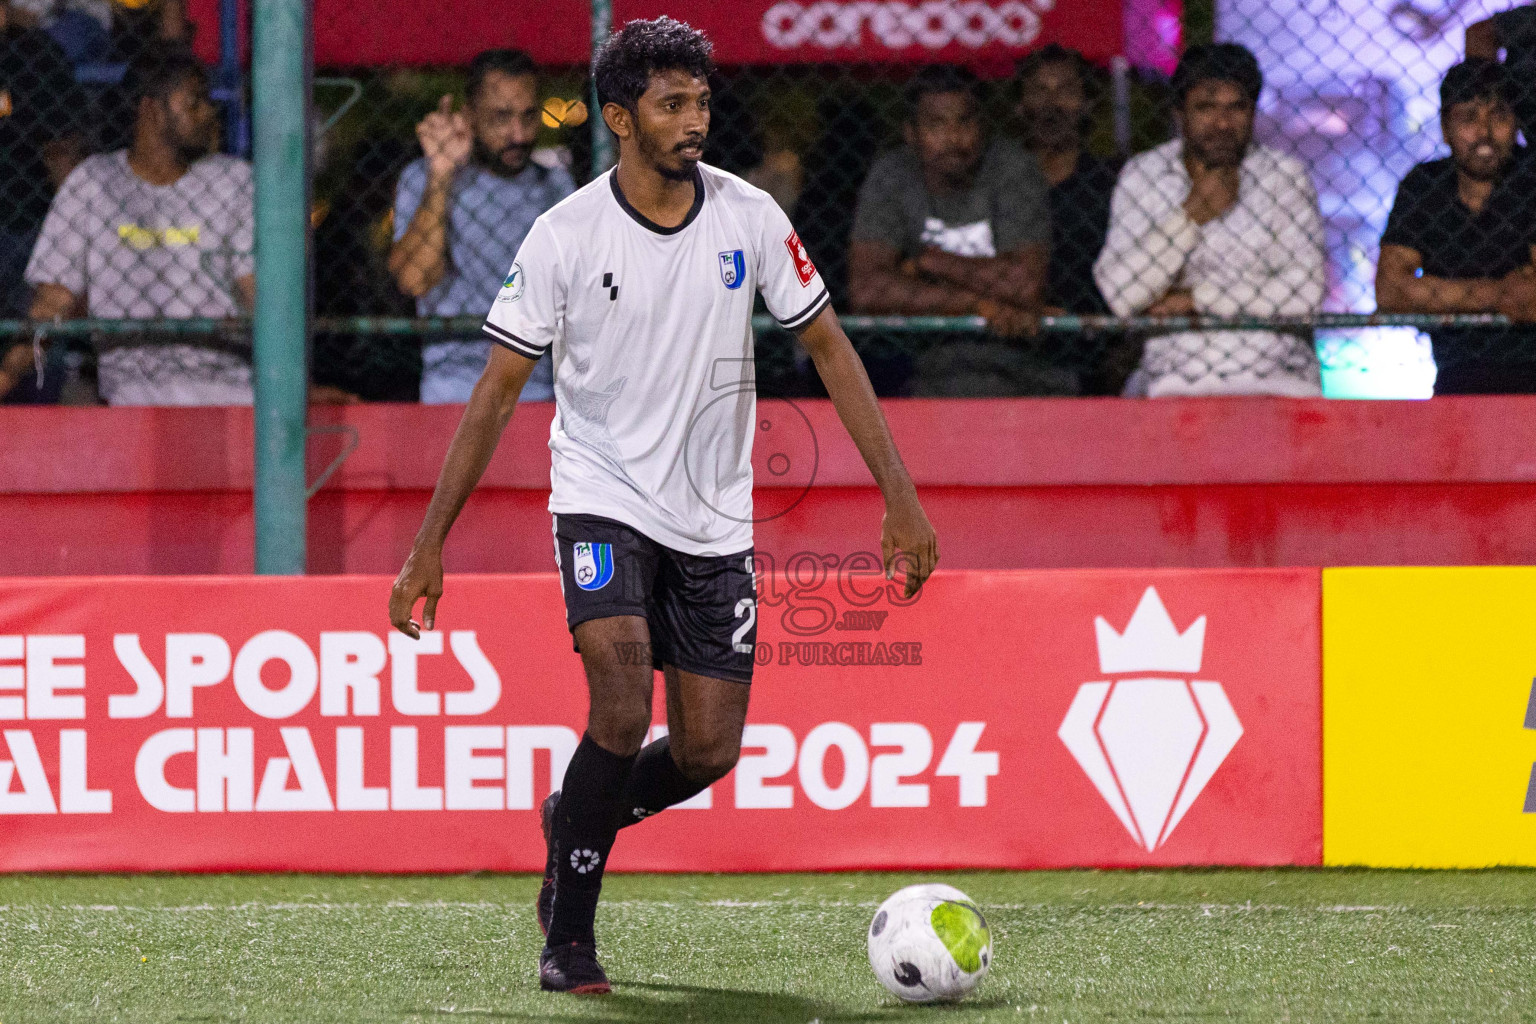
159,230
951,224
462,210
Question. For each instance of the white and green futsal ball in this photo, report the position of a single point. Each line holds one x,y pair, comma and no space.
929,943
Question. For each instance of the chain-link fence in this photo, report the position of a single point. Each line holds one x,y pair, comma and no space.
1050,226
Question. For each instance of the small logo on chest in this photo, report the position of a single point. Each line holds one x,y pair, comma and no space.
733,268
613,289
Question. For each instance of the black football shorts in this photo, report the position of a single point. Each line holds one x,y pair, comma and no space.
702,609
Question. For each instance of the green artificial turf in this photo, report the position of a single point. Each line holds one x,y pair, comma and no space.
1068,946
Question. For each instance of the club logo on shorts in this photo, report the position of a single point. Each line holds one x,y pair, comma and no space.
733,268
592,567
512,287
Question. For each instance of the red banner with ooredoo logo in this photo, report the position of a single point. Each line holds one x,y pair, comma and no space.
743,31
1000,719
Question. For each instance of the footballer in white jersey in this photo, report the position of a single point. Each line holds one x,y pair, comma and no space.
642,285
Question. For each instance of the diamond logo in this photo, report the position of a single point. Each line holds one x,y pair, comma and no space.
1149,744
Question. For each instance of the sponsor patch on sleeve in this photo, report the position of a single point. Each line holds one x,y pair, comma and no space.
804,268
512,287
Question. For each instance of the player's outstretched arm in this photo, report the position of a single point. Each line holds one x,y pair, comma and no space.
905,530
489,410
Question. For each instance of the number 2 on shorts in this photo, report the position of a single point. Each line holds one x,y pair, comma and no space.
746,606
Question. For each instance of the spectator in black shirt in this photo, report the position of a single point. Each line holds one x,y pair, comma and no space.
1054,103
36,99
1462,238
39,111
1056,90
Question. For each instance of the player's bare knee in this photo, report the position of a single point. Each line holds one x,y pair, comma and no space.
619,728
708,761
620,708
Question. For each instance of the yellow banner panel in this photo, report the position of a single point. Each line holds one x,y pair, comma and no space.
1429,717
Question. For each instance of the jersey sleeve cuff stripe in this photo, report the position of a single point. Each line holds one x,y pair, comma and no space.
808,314
511,341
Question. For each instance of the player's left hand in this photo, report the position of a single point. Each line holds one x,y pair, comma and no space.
906,536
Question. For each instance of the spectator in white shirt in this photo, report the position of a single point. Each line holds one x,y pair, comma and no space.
1212,224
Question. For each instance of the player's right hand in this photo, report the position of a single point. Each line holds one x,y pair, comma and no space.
421,576
446,139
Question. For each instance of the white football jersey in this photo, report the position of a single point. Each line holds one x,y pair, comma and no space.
652,335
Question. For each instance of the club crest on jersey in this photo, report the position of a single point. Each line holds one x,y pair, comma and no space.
733,268
512,287
592,566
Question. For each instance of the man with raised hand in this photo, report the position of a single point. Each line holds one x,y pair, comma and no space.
462,210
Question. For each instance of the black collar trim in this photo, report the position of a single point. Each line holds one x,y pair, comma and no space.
646,222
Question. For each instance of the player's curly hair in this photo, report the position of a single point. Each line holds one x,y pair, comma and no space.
623,67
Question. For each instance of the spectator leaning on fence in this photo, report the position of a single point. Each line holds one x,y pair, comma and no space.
1212,224
462,210
952,224
1462,238
159,230
1053,108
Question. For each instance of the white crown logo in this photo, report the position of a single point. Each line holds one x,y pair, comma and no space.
1151,642
1149,744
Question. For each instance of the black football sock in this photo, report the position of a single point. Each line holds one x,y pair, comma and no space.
585,824
655,784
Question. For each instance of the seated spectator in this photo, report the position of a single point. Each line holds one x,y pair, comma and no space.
159,230
1212,224
836,163
1053,107
462,210
1514,32
1462,236
39,138
955,225
36,100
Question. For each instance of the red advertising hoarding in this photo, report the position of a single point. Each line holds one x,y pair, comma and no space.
743,31
1002,719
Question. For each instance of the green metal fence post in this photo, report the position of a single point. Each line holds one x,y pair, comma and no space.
602,139
280,69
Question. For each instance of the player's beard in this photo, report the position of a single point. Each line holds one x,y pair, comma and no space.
670,163
497,162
